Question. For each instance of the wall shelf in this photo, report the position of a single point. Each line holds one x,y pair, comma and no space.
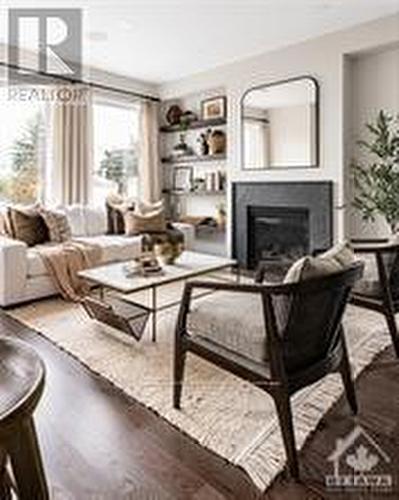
215,122
194,159
194,193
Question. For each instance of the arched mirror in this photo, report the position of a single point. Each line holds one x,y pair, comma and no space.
280,125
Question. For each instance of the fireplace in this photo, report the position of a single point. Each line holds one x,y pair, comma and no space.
277,233
280,220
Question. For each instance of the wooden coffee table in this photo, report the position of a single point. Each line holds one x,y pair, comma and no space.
188,265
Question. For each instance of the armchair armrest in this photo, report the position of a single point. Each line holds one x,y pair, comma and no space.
13,269
375,247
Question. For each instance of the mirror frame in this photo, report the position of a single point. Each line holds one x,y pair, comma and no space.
316,163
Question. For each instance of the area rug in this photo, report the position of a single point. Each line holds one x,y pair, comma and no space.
221,412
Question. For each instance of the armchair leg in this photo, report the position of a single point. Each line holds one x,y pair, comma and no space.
393,329
347,380
283,407
178,374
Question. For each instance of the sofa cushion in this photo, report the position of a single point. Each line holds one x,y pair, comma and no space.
76,219
232,319
95,220
35,263
115,247
27,225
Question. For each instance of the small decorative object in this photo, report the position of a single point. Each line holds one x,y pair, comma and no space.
221,214
217,142
199,184
187,118
213,108
377,182
168,251
182,148
148,264
203,144
182,179
174,114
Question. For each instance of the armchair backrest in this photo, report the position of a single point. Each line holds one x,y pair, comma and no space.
314,314
390,259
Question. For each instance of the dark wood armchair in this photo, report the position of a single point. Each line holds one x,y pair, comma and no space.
303,339
381,293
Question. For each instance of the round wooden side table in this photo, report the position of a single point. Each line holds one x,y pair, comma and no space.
22,375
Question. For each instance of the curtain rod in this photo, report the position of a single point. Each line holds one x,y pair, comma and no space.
81,82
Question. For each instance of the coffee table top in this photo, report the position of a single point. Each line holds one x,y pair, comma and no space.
188,265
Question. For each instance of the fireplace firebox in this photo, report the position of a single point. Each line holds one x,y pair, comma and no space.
277,233
280,220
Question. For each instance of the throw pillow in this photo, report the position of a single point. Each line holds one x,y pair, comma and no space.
116,207
57,224
334,260
27,225
153,222
146,208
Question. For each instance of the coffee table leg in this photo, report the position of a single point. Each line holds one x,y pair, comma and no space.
154,313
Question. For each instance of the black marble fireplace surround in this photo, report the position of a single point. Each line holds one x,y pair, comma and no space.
280,220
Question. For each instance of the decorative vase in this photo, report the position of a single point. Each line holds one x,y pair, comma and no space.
217,142
174,114
167,252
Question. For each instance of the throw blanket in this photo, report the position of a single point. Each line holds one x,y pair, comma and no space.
64,261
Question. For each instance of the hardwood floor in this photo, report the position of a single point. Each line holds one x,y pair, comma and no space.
99,444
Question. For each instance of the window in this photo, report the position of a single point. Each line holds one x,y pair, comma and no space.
256,143
22,151
115,149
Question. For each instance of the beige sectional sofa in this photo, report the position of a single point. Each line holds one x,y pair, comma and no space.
23,276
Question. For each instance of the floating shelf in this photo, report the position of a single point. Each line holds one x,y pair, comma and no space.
195,193
194,158
215,122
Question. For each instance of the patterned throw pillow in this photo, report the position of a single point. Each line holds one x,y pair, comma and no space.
57,224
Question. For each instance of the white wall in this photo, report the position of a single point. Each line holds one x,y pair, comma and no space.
323,58
374,86
89,74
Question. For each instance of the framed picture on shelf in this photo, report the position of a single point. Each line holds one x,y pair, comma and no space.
212,108
182,178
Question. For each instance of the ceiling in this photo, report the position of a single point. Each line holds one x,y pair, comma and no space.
162,40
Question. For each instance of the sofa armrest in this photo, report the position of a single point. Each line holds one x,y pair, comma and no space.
13,269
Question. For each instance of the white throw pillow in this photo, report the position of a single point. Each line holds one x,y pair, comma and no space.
147,208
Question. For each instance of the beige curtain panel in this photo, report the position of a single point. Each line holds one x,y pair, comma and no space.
73,144
149,167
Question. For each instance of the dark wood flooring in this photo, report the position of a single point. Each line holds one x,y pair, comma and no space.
99,444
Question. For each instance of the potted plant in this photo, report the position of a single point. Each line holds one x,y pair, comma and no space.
376,179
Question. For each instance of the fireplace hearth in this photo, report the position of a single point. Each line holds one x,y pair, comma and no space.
280,220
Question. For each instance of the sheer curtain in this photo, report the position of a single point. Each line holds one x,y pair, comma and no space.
149,165
72,145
